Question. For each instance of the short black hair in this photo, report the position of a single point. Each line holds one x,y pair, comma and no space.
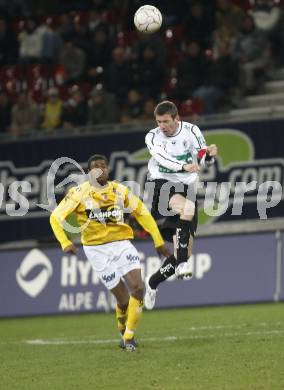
96,157
166,107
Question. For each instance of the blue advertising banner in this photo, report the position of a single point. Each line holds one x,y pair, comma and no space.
248,152
231,269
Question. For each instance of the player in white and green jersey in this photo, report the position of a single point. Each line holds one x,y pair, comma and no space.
178,149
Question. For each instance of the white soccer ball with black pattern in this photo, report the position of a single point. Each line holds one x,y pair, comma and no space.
148,19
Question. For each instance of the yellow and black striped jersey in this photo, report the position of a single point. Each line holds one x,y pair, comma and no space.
100,214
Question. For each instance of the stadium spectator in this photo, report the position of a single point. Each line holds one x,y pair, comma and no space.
25,115
198,24
5,112
80,36
221,76
191,71
148,109
266,15
133,108
154,41
269,18
73,60
251,50
103,107
107,245
31,42
116,77
150,74
52,110
75,110
220,38
229,16
66,26
99,51
52,46
96,22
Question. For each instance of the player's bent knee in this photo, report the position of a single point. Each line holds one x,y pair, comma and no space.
176,203
123,303
188,210
182,206
137,291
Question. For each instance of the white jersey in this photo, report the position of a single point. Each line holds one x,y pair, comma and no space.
170,153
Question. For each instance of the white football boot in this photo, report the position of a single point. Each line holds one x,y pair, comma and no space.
184,271
150,295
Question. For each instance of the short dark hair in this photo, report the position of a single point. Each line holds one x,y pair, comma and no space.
96,157
166,107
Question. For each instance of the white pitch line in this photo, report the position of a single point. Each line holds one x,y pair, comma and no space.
155,339
218,327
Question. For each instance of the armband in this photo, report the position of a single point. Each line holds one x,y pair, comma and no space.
204,157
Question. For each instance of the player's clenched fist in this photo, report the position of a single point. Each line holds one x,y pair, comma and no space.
212,150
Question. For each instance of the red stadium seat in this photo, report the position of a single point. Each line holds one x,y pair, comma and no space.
18,26
64,92
13,72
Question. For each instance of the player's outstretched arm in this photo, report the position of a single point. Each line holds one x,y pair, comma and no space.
207,155
57,218
212,150
160,155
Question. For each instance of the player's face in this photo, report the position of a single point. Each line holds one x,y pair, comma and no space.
99,172
167,124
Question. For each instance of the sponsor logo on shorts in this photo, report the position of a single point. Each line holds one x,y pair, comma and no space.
132,258
108,278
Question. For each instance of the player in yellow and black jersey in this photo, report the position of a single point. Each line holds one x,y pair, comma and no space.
100,206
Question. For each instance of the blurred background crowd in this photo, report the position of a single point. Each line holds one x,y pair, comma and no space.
66,63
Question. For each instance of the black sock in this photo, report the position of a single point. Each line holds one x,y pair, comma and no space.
182,236
166,270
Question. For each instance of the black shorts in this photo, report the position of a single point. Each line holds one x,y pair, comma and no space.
168,224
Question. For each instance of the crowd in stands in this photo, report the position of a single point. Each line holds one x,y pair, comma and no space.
67,63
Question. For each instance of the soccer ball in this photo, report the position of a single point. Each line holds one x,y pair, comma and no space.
148,19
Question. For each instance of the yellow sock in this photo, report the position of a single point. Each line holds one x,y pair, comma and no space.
121,316
134,314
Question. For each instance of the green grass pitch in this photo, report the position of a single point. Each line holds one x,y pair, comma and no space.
230,347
